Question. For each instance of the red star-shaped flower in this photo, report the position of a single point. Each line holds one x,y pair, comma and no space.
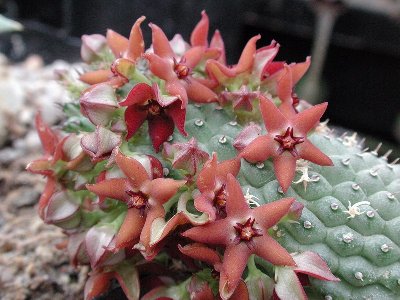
280,79
241,99
125,51
244,232
143,195
161,112
186,156
176,71
56,148
223,73
286,140
211,183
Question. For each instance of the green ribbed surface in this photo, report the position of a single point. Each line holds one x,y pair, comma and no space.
363,251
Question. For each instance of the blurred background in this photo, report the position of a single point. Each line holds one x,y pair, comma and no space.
355,48
355,43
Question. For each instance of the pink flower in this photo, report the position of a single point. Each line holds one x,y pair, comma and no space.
286,140
144,197
176,71
162,113
280,78
241,99
126,53
244,232
211,183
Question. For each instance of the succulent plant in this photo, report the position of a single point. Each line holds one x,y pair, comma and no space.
185,178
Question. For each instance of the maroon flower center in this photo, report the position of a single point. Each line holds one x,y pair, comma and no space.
288,142
137,200
246,231
220,202
181,69
154,108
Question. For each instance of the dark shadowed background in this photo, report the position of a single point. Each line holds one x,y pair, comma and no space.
360,77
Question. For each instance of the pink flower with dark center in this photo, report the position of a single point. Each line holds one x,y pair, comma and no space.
286,140
177,71
244,232
241,99
144,198
280,78
126,53
211,183
162,113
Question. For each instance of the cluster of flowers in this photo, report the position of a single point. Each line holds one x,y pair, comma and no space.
129,218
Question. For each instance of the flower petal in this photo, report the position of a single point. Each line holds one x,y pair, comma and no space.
193,56
199,289
259,149
47,193
219,71
136,43
274,210
130,229
98,103
309,152
154,212
139,94
97,239
162,189
285,168
263,57
114,188
234,262
160,67
97,284
217,233
160,41
175,88
299,69
94,77
160,128
202,204
246,136
206,179
201,252
288,285
47,137
198,92
312,264
134,118
270,250
231,166
309,118
218,42
128,278
285,86
241,292
199,36
178,115
117,43
236,204
274,120
246,59
160,229
133,169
